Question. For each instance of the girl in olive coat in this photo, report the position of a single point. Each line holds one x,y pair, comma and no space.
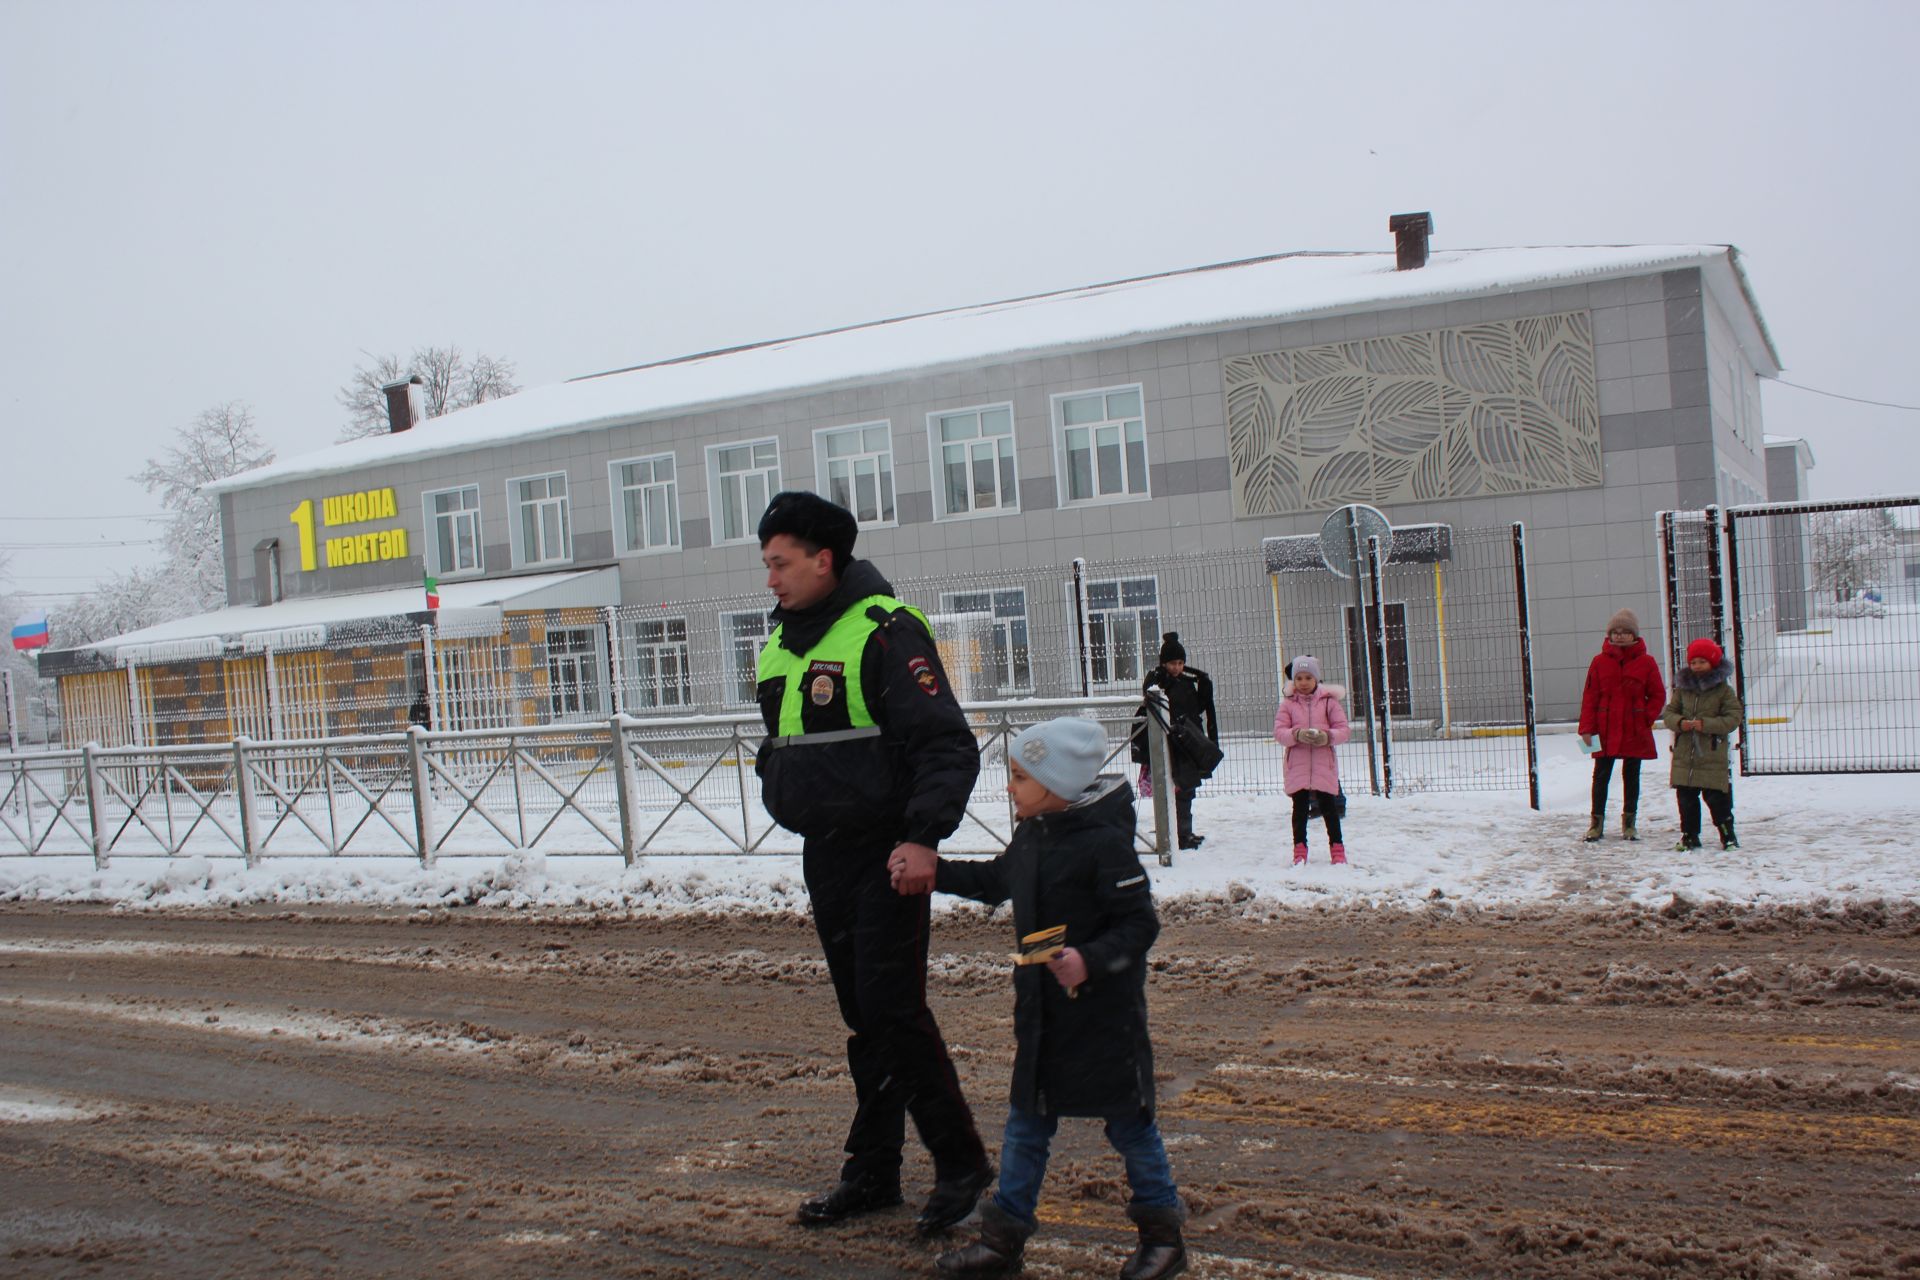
1703,713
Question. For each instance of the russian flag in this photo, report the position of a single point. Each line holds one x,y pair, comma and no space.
30,630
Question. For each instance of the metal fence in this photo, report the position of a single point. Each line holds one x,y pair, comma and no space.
624,786
1825,602
1431,638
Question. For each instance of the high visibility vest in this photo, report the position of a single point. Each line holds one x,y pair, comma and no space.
820,691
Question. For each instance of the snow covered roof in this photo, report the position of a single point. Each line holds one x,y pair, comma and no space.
302,622
1288,287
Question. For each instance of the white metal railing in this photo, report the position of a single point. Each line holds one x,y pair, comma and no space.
626,786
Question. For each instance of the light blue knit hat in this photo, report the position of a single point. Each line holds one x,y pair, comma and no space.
1063,755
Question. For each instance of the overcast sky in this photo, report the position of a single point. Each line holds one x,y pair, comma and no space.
203,202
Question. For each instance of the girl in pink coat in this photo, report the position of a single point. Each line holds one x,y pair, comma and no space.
1310,724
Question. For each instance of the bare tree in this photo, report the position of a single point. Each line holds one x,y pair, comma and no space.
140,597
1852,550
451,382
219,443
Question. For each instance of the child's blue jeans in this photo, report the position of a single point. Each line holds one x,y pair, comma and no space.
1023,1160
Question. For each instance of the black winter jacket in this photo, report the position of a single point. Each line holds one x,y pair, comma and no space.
910,783
1088,1055
1189,698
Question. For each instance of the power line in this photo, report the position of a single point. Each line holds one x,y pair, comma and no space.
155,515
1884,404
81,546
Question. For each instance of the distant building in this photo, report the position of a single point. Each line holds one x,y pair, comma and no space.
1580,390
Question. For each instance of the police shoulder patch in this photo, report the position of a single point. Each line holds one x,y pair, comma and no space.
922,672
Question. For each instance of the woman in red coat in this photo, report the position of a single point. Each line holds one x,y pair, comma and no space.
1622,702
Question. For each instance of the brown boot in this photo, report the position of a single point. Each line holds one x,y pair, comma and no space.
1162,1252
998,1251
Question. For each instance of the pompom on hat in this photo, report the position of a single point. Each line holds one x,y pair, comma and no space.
1311,666
808,517
1062,755
1171,650
1705,648
1624,620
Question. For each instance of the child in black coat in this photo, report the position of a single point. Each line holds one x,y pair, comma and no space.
1079,1020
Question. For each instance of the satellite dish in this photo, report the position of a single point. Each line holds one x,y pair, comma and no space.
1336,540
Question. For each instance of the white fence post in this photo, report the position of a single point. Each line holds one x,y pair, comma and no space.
422,792
96,817
623,782
243,796
1160,769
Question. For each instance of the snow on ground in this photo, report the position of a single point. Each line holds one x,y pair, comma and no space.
1804,840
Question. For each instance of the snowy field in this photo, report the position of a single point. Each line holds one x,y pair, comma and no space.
1805,839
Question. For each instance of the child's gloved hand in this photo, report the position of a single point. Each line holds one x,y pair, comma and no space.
1311,737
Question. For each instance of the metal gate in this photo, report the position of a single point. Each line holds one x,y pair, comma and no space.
1819,605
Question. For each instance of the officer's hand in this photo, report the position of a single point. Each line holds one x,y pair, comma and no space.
911,867
1068,968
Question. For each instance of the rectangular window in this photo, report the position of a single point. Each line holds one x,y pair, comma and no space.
646,504
453,531
744,634
855,469
973,461
1123,631
1010,658
573,674
742,479
1101,441
656,678
542,534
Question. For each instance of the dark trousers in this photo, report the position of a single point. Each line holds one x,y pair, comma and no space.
1186,781
875,941
1329,810
1719,804
1629,783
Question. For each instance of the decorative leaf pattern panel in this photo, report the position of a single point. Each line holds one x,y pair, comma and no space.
1507,406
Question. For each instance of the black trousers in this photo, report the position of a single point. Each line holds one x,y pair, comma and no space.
1719,804
1186,781
1329,810
1629,783
875,942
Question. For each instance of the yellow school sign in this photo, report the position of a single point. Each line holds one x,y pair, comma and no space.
351,548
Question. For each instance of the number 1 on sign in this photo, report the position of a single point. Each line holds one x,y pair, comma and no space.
302,518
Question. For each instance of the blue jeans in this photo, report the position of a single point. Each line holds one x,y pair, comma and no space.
1023,1161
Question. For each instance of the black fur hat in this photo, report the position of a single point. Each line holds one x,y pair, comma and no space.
1171,650
810,518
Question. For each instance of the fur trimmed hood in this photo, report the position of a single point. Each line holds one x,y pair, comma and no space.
1685,679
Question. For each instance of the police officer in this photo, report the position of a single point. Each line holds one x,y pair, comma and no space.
868,752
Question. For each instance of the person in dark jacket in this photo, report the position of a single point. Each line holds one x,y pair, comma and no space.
1189,693
1079,1020
868,752
1618,707
1703,713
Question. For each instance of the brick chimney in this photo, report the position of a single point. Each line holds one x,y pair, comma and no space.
1410,232
403,403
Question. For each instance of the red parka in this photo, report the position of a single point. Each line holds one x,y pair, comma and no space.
1623,699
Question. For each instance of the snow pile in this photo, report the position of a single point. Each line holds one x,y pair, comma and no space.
1828,840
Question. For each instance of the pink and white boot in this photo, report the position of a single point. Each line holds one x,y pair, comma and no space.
1339,855
1300,855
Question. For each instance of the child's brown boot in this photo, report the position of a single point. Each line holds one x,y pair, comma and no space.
1162,1252
998,1251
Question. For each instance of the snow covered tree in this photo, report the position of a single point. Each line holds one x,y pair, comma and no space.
1852,550
451,382
219,443
139,597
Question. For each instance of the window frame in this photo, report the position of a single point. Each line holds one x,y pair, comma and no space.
632,680
1148,637
617,500
750,520
1003,629
1061,456
823,483
937,463
517,527
729,639
432,518
592,661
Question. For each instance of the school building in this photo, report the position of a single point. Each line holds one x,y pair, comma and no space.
593,541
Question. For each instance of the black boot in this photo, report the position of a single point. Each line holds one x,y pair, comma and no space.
1162,1252
1727,839
1003,1239
952,1200
853,1196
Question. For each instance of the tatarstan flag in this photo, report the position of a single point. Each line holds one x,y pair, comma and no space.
433,593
